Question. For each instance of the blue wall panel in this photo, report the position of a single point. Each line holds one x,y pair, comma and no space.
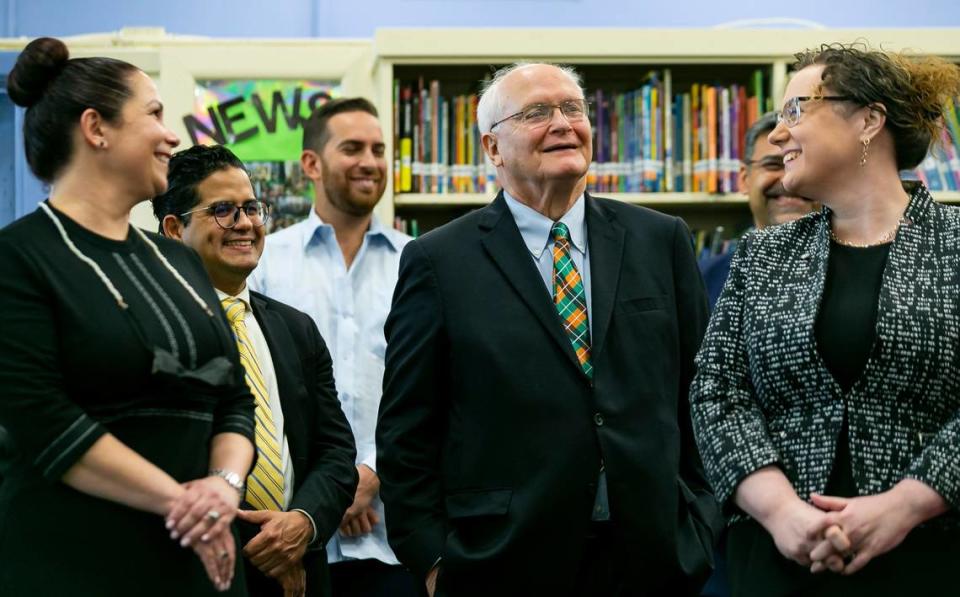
335,18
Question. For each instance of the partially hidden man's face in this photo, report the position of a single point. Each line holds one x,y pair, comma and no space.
535,155
228,254
770,203
353,165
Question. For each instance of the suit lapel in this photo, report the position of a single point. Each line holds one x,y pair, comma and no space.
605,237
507,250
282,350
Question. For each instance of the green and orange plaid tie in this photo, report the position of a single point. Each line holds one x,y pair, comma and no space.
570,297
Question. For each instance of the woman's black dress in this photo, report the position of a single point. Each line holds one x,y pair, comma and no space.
162,376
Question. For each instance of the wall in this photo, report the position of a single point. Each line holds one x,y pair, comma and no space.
336,18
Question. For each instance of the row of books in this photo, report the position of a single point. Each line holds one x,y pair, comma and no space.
654,140
646,140
437,143
940,170
407,226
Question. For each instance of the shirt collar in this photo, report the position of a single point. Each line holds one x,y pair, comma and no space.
316,228
243,295
535,227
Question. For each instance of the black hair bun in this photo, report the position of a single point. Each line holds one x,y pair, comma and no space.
37,66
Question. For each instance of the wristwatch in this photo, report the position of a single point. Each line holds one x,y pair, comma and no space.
233,479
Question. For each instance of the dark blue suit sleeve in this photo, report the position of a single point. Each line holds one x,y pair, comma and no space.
411,422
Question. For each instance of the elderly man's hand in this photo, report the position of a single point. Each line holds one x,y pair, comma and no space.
294,581
203,512
360,517
281,542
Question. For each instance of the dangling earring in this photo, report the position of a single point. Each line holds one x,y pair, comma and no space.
863,156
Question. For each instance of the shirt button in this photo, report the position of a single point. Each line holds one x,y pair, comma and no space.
598,419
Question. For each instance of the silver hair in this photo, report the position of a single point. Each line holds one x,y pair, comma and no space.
490,106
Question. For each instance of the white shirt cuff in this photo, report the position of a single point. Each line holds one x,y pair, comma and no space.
312,524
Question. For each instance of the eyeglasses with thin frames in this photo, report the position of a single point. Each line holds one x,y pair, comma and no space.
227,213
574,110
790,115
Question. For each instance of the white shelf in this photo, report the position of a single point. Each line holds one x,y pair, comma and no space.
703,201
949,197
657,200
610,45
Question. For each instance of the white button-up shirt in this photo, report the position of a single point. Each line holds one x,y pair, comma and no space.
303,267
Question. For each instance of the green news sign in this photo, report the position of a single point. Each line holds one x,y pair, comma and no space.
258,119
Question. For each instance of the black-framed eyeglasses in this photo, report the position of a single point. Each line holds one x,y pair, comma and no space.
770,163
227,213
790,115
574,110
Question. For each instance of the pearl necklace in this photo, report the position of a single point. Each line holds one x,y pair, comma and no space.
886,238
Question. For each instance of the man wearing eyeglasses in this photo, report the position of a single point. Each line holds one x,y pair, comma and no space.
534,435
304,478
760,174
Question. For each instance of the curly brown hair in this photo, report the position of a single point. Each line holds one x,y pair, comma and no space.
913,90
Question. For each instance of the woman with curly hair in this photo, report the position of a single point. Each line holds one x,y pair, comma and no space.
827,396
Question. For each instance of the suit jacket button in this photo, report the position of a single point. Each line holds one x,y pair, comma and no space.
598,419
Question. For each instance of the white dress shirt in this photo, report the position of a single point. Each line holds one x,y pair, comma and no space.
303,266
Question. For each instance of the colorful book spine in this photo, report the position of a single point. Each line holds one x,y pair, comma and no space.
711,109
396,134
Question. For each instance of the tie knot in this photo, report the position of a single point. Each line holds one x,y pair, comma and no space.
560,231
234,308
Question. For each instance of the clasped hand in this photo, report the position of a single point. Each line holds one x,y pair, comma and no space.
200,518
841,534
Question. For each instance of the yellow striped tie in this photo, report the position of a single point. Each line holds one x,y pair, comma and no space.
265,483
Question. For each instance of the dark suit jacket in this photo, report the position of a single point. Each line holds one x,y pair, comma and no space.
490,435
715,271
322,450
763,396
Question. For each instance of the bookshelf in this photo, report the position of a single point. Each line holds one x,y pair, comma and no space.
615,60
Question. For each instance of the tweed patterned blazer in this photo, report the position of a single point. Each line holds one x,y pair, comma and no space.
763,396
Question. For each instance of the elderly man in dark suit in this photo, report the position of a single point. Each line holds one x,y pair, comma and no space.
304,478
534,434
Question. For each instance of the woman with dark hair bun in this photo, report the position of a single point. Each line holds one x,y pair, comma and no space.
123,397
827,396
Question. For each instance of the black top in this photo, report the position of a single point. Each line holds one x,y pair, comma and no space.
845,332
74,366
847,321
